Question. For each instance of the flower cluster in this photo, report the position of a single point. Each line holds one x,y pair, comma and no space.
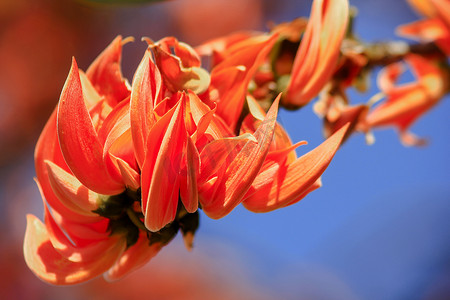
122,168
403,103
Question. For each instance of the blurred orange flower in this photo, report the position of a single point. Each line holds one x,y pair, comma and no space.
405,103
436,26
316,58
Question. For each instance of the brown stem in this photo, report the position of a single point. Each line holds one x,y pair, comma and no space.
384,53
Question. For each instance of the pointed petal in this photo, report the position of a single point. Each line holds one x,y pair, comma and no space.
235,182
219,152
65,206
401,108
161,169
120,114
106,75
115,133
206,120
282,185
189,174
133,258
317,55
68,250
71,192
146,92
82,233
47,148
131,178
281,139
246,60
284,153
423,30
78,139
118,144
50,266
91,96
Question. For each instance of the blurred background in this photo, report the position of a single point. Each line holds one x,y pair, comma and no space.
379,228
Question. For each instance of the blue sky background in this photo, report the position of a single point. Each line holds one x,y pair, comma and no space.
379,228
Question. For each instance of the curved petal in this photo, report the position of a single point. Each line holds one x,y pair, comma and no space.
78,139
47,148
247,59
71,192
133,258
146,92
231,187
50,266
282,185
91,96
219,152
423,30
190,166
130,177
160,177
405,103
106,75
319,49
206,120
82,234
68,250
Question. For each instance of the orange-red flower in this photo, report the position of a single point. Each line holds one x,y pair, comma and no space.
122,168
231,76
317,56
335,110
81,158
436,26
314,63
405,103
285,179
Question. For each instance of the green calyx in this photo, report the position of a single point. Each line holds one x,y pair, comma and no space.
126,221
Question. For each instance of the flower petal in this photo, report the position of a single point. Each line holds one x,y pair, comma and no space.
160,180
47,148
68,250
130,177
133,258
282,185
71,192
106,75
317,55
219,152
237,179
50,266
182,71
146,92
78,139
189,174
247,59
